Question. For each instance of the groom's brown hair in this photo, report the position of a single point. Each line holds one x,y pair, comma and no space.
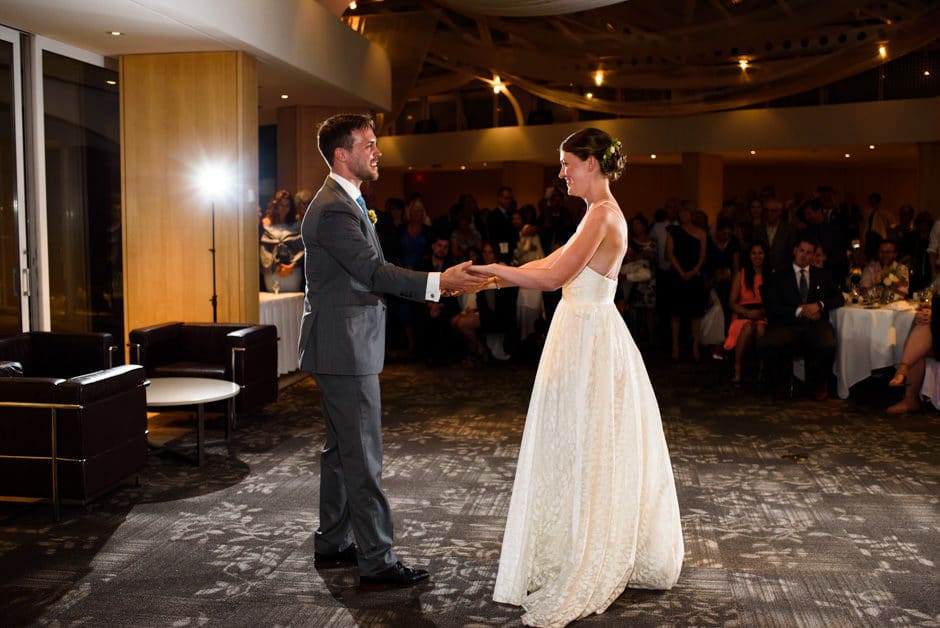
336,132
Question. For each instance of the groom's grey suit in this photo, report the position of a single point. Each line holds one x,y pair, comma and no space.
342,344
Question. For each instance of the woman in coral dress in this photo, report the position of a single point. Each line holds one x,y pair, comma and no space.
748,318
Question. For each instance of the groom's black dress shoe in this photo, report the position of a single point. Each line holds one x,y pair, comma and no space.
346,558
394,577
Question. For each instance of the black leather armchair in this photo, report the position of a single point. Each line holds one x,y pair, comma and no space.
241,353
65,434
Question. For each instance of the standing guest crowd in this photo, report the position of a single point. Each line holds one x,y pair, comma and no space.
763,276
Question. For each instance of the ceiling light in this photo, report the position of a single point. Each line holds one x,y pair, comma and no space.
753,152
110,82
115,33
497,85
589,95
463,167
882,51
353,6
598,78
926,72
652,155
871,147
847,155
743,63
284,96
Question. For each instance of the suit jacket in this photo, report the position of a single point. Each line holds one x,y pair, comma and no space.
499,231
781,294
780,253
342,331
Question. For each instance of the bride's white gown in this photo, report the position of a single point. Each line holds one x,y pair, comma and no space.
593,506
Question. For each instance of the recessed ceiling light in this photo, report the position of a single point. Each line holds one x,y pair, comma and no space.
753,152
847,155
598,78
743,63
926,72
652,155
110,82
589,95
115,33
463,167
882,51
353,6
871,147
284,97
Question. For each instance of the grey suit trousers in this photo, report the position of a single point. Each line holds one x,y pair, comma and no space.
351,496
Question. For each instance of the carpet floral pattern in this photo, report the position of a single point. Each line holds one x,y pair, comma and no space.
794,514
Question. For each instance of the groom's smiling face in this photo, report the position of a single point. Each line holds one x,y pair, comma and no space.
363,156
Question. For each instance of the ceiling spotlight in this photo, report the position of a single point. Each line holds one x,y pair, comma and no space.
871,147
497,85
115,33
110,82
353,6
652,155
463,167
598,78
926,72
284,96
882,51
753,152
743,63
847,155
589,95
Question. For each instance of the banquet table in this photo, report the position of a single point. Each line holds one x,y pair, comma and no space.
284,311
868,339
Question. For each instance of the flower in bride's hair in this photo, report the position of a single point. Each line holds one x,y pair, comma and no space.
608,161
373,216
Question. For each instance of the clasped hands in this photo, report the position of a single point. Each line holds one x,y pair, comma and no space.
464,278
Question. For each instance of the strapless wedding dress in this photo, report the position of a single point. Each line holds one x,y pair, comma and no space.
593,507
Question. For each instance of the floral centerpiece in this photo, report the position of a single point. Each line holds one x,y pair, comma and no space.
889,279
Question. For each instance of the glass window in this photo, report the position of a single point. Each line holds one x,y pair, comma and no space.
83,192
10,302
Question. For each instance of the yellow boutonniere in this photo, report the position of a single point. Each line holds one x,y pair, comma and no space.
372,216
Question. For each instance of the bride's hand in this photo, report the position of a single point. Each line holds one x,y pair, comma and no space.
483,271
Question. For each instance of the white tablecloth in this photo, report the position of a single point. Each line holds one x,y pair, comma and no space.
867,339
284,311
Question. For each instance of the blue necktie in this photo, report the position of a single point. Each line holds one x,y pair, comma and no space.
362,205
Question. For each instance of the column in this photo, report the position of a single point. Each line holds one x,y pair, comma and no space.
181,113
702,182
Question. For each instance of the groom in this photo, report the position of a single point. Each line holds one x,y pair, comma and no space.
342,344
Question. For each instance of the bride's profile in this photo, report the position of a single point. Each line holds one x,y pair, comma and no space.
593,507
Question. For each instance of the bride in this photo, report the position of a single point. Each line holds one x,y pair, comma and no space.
593,507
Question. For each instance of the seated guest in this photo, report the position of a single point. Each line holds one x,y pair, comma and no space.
798,300
920,344
748,318
433,334
886,271
487,323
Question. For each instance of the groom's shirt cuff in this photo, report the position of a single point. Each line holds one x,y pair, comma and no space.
433,290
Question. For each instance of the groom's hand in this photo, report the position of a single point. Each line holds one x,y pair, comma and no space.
456,279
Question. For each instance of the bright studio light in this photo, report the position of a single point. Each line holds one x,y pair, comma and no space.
214,181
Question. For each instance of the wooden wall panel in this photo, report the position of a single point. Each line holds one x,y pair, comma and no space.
180,113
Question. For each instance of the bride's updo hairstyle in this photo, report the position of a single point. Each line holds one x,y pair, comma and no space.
591,142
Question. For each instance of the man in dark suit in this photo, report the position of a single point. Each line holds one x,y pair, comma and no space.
342,344
499,229
798,299
777,236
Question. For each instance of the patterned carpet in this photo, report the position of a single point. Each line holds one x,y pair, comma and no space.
794,514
